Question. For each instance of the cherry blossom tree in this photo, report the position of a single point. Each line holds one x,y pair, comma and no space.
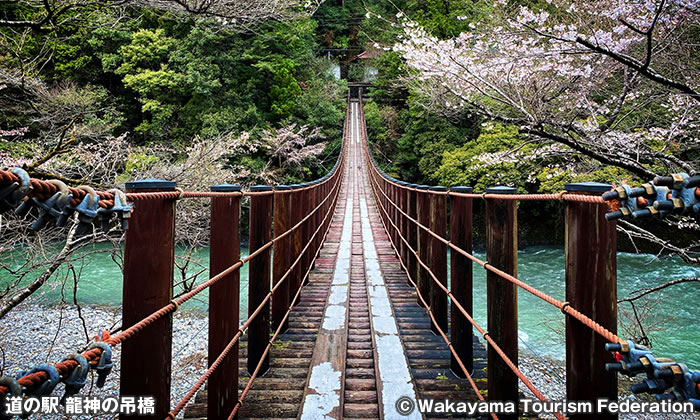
614,81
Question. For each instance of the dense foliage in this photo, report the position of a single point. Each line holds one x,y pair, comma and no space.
161,83
537,94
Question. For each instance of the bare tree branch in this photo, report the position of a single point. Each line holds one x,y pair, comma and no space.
643,292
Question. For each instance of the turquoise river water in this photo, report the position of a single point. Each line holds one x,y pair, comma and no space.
541,326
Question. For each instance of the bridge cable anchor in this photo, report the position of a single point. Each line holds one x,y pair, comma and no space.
12,195
14,389
77,379
104,365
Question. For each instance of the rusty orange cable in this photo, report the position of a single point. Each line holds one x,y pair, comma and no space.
255,373
493,344
561,196
190,394
599,329
66,367
44,189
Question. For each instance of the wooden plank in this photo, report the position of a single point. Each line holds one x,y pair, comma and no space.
323,396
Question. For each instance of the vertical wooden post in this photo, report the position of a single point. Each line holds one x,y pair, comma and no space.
281,254
423,210
591,288
224,251
412,211
316,199
328,190
502,295
307,228
311,198
149,255
461,333
438,257
396,216
381,185
259,276
296,207
321,196
386,186
391,192
403,225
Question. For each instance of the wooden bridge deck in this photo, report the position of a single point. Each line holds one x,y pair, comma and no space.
363,367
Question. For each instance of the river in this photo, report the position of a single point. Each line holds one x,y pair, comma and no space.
541,325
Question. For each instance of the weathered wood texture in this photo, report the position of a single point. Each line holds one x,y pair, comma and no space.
591,287
502,298
259,276
149,255
280,391
461,280
224,251
281,261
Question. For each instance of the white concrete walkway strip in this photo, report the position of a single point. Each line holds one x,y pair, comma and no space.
394,380
325,381
323,395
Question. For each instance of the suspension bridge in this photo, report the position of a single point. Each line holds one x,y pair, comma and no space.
351,313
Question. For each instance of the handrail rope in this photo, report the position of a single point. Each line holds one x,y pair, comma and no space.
501,354
560,196
45,189
432,317
193,390
255,373
485,334
64,368
599,329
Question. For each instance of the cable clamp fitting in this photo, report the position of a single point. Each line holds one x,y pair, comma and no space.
563,307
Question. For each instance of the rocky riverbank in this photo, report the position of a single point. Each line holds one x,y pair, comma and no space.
34,334
549,377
